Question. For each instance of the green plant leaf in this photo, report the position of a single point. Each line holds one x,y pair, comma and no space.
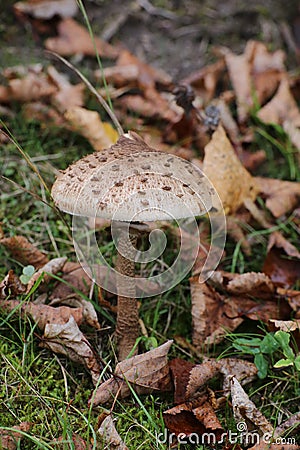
283,363
297,362
262,365
284,338
248,346
28,270
269,344
27,273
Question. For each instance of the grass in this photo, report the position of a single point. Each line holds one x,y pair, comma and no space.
50,391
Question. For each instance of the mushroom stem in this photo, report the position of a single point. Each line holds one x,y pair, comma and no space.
127,328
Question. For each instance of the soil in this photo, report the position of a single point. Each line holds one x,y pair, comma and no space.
175,35
179,36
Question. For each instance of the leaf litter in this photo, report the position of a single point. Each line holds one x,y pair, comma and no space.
223,303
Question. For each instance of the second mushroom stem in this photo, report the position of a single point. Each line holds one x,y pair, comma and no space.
127,328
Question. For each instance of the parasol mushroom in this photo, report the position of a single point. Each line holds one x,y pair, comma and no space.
131,183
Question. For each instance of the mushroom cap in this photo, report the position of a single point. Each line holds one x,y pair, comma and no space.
133,182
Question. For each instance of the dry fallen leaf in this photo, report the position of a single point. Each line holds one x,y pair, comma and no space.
281,107
88,311
51,267
11,284
286,325
67,95
281,196
74,38
24,252
267,69
31,86
147,76
46,9
43,314
153,106
279,265
77,443
252,283
110,437
224,170
146,373
200,374
211,314
239,72
193,418
68,340
10,440
244,409
100,134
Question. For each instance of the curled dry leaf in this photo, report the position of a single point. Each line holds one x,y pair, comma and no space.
239,72
67,95
277,240
267,69
46,9
153,106
191,418
244,409
231,180
282,107
286,325
147,76
100,134
251,283
130,70
146,373
88,311
190,378
24,252
110,437
68,340
10,440
211,314
35,85
51,267
244,371
74,38
11,284
281,196
43,314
